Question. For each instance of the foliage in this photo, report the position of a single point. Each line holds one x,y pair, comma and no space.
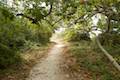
110,39
15,33
111,42
8,56
76,35
93,61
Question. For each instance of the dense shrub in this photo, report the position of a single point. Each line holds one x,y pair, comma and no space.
75,35
18,33
110,39
8,56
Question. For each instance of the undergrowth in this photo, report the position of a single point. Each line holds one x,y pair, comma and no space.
29,59
91,58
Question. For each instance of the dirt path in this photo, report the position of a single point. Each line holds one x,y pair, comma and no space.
49,68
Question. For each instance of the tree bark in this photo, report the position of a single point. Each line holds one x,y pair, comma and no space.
112,60
108,25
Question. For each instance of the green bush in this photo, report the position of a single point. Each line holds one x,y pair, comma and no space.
17,34
75,35
8,56
110,39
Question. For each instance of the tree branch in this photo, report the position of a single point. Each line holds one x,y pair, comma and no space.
28,17
35,21
50,11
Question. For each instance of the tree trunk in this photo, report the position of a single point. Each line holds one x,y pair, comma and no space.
112,60
108,25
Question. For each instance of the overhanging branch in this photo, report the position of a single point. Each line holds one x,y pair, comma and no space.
34,20
50,11
28,17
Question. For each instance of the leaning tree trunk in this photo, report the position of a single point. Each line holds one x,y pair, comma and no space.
112,60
